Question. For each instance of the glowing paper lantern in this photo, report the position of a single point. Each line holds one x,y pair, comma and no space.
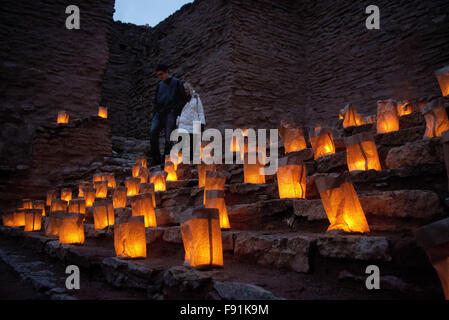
148,188
443,80
52,222
201,237
202,169
33,219
404,108
142,161
142,205
143,175
216,199
341,203
322,142
58,205
89,196
77,206
130,237
19,217
291,177
51,194
103,213
71,229
99,177
351,118
171,171
111,180
83,184
40,205
158,179
175,160
103,112
66,194
8,219
132,186
101,189
215,180
27,204
251,171
292,138
436,119
63,117
135,170
119,197
361,152
387,116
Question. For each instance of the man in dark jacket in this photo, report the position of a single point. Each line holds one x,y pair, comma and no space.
169,100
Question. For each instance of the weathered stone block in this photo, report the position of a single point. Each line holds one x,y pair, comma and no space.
415,153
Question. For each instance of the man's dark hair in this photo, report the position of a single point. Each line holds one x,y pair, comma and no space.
162,67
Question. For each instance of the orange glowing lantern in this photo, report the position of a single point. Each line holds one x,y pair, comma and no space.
101,189
351,118
175,161
143,175
83,184
132,186
135,170
387,116
33,219
89,195
142,161
142,205
215,180
158,179
170,168
77,206
443,80
8,219
291,176
63,117
58,205
436,119
111,180
202,169
103,112
341,204
292,138
148,188
130,237
322,142
361,152
216,199
40,205
27,204
201,236
119,197
66,194
103,213
404,108
52,222
71,229
19,217
51,194
99,177
253,169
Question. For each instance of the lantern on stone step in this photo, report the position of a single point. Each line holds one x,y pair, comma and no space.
142,161
58,205
436,119
158,179
370,119
404,108
170,168
19,217
52,222
63,117
101,189
8,219
291,176
99,177
103,112
142,205
83,184
111,180
143,175
51,194
27,204
119,197
77,206
253,170
148,188
135,170
215,180
71,229
351,118
292,137
443,80
387,116
103,213
201,236
341,203
168,158
33,220
322,142
66,194
202,169
216,199
130,237
40,205
89,195
132,186
361,152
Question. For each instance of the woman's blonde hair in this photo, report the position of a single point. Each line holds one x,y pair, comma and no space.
192,91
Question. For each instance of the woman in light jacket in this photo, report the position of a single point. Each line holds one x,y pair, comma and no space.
192,111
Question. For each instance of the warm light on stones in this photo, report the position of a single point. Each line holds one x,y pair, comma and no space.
292,137
63,117
119,197
215,199
370,119
51,194
58,205
253,170
71,229
202,169
443,80
201,237
103,213
322,142
170,168
436,119
341,204
142,161
291,177
158,179
103,112
132,186
361,152
130,237
215,180
387,116
33,220
77,206
175,161
142,205
101,189
66,194
404,108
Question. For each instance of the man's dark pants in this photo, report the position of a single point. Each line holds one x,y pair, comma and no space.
161,121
